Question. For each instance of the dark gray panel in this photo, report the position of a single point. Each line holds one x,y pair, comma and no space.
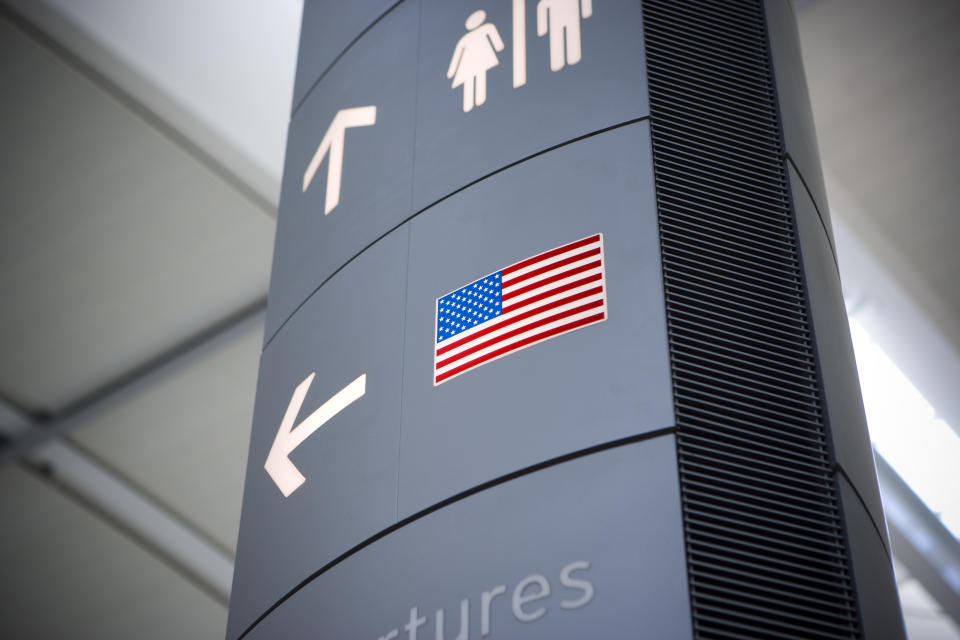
325,31
617,510
596,384
606,87
844,405
377,163
353,325
799,133
873,572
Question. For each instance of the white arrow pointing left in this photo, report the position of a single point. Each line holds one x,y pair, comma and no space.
288,438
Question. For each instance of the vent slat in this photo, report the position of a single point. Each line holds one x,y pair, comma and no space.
796,536
743,534
799,556
766,438
730,358
755,505
799,614
730,12
697,453
737,398
708,309
706,262
732,219
786,599
766,549
782,566
747,623
743,259
697,140
750,226
740,491
739,346
795,393
752,240
703,284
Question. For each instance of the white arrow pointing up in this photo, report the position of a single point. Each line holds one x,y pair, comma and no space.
332,143
278,464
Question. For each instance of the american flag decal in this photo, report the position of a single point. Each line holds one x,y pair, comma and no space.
528,302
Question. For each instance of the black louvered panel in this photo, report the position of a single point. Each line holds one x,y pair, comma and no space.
766,551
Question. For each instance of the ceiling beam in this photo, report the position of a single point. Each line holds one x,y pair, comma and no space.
115,76
896,306
159,531
920,541
135,514
22,441
39,445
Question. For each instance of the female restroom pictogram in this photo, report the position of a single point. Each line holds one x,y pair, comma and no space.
474,55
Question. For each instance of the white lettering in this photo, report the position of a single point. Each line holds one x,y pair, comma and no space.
464,620
531,589
520,599
584,585
485,599
414,624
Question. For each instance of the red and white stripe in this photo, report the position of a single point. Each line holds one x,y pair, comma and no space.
544,296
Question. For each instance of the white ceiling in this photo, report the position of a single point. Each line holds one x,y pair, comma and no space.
116,244
69,574
143,145
219,73
885,87
184,438
132,228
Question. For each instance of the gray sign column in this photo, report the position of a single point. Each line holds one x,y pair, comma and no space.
555,345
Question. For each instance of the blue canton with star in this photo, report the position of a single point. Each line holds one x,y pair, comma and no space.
467,307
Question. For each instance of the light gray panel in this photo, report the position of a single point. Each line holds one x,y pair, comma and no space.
617,510
185,437
116,244
845,416
220,81
873,571
595,384
606,87
796,116
379,71
352,326
68,574
325,31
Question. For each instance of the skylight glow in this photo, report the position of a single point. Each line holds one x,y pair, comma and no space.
906,431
